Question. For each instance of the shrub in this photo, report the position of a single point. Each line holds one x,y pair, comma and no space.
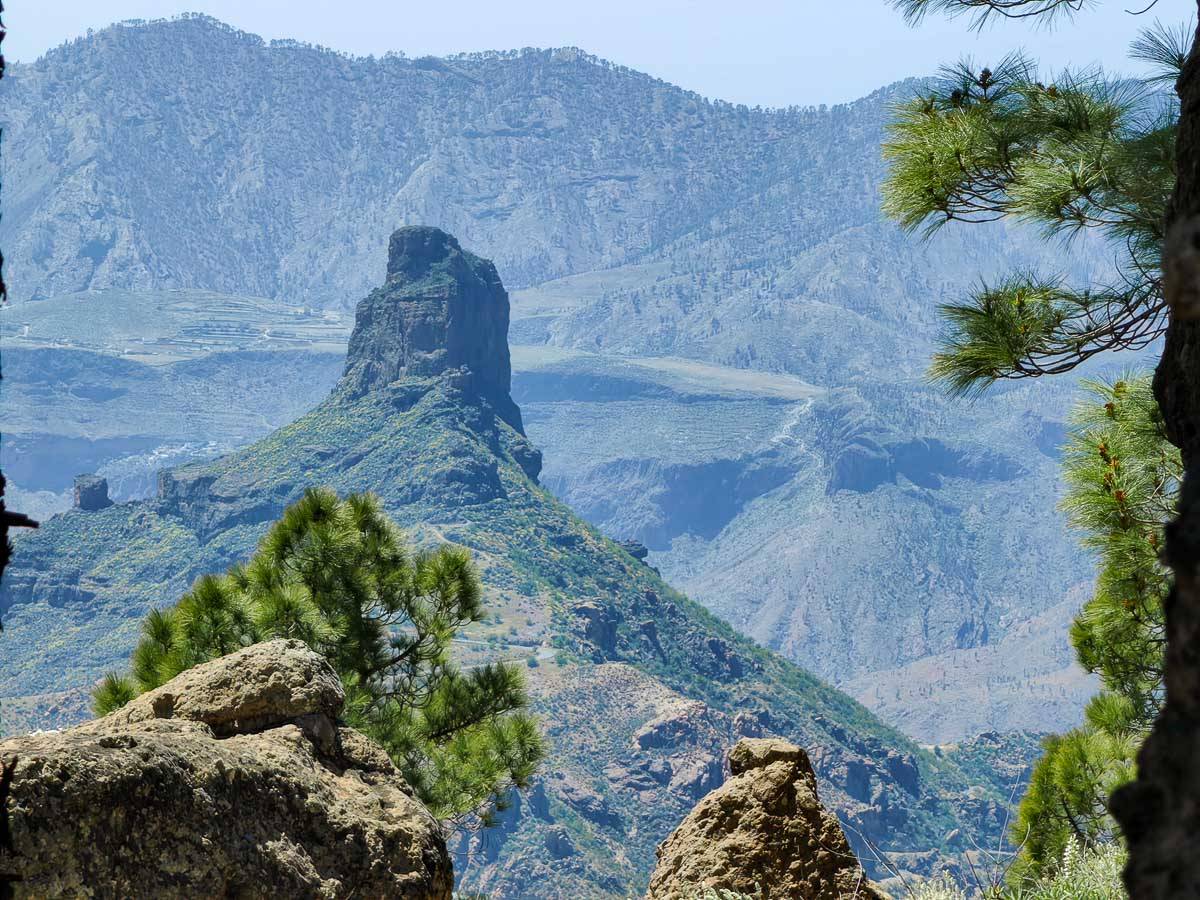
337,575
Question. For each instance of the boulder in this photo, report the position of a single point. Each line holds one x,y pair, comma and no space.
763,833
261,687
636,549
599,623
232,780
91,493
682,724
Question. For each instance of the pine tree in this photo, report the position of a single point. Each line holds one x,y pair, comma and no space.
1071,154
1122,480
337,575
1068,154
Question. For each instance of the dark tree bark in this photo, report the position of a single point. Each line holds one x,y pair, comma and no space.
1160,812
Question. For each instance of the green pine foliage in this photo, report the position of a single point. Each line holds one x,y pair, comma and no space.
1122,480
984,10
1066,802
1069,154
336,574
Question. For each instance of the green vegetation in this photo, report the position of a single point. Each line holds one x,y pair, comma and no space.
1079,874
1123,477
337,575
1072,154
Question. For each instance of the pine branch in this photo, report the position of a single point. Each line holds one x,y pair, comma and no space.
982,11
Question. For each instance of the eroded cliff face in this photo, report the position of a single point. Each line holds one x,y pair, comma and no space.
763,833
442,312
441,309
233,779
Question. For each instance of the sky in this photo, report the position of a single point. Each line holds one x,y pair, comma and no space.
757,52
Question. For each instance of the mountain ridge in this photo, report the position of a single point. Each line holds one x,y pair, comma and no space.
580,53
593,623
144,255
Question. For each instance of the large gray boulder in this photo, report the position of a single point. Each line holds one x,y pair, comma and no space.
232,780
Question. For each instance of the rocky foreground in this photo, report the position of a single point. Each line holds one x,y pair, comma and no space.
233,779
763,833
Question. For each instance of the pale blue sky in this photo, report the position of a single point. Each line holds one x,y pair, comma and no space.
769,52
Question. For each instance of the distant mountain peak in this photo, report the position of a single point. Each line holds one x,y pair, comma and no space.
441,311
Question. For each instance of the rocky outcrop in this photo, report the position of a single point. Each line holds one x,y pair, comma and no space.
762,833
598,623
232,780
441,312
864,464
91,493
441,309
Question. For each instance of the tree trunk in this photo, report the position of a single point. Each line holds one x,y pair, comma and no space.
1160,812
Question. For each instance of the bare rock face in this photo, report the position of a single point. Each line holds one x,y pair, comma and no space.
91,493
232,780
441,309
261,687
762,833
441,312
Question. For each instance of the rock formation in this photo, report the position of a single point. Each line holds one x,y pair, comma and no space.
441,311
762,833
232,780
91,493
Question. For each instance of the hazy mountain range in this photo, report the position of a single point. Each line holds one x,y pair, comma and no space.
719,343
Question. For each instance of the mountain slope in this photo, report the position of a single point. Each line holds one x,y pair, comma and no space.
227,181
641,690
641,222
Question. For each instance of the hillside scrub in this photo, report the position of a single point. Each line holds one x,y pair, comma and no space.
1080,874
337,575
